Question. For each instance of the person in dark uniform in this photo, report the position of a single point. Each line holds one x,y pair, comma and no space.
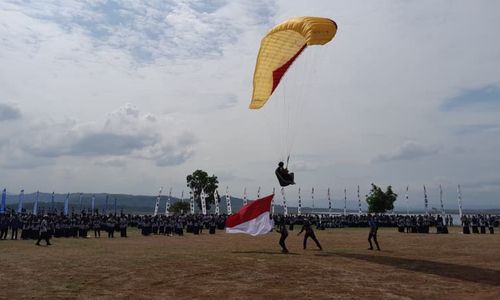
44,232
96,225
4,226
212,225
110,227
284,177
123,226
284,234
307,227
373,223
14,226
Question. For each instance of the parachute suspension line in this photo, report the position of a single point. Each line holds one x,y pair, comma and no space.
294,87
306,66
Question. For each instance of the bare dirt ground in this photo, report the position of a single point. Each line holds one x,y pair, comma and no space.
224,266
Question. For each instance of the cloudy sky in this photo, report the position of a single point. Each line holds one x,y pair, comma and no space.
128,96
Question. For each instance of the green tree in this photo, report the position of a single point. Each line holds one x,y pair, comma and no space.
380,201
179,207
200,181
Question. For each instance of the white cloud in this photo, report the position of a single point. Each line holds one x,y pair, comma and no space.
123,133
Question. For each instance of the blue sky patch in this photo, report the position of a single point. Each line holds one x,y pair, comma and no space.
484,98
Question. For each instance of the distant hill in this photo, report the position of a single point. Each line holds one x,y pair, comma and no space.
143,204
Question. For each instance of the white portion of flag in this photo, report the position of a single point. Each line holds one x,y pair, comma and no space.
258,226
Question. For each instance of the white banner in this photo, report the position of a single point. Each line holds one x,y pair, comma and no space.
203,203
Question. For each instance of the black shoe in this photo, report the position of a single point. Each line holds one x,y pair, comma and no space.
49,244
370,248
37,244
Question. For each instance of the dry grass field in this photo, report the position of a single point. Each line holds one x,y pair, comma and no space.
223,266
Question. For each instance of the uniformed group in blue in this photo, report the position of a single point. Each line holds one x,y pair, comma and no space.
43,227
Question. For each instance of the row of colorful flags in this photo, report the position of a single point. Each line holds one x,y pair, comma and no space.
203,197
227,198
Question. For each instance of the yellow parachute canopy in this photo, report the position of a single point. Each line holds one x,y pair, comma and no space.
280,47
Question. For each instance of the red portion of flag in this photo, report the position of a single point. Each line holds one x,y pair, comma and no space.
279,72
250,211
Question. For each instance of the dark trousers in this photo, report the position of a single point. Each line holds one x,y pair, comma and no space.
43,236
313,237
123,232
13,235
282,243
3,233
373,235
111,233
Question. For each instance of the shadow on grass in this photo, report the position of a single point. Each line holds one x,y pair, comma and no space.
263,252
448,270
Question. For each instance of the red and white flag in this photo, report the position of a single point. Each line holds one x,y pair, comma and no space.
252,218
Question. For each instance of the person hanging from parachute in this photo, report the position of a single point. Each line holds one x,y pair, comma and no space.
285,178
278,50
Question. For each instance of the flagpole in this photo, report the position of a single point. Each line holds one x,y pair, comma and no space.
228,202
459,202
20,202
81,203
312,199
245,200
329,201
66,204
203,203
216,200
35,205
345,201
191,201
258,193
299,209
106,206
441,200
426,202
167,204
157,204
285,209
52,200
4,200
359,203
407,207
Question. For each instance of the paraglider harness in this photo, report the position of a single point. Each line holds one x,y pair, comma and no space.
285,178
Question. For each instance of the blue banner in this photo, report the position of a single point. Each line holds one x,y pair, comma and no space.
4,199
66,202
